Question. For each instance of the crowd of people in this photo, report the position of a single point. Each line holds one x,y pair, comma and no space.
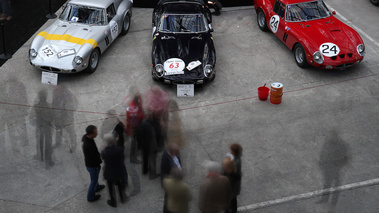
146,122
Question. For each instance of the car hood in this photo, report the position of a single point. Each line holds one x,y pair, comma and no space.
331,30
188,47
63,35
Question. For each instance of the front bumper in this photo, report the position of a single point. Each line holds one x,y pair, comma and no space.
65,67
184,78
339,62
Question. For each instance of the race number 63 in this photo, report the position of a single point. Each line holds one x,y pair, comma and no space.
174,66
274,23
329,49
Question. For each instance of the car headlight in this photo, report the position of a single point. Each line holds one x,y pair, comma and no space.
159,70
361,49
32,53
78,60
208,69
318,58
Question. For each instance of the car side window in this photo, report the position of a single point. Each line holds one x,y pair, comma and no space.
279,8
111,12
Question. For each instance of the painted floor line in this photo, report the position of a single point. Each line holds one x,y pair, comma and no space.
308,195
354,26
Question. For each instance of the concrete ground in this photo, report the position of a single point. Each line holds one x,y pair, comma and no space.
282,143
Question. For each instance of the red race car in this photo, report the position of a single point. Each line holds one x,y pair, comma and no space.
312,32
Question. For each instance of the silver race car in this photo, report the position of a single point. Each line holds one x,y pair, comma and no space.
84,30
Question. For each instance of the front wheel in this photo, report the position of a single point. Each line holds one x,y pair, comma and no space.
375,2
261,19
93,61
300,57
125,25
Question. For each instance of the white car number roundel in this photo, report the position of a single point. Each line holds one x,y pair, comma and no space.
47,51
114,29
174,66
274,23
329,49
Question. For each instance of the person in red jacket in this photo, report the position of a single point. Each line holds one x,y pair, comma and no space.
134,117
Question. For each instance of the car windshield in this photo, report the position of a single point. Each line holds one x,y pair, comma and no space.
307,11
183,23
83,14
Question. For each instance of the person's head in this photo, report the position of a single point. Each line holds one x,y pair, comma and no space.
212,167
176,174
109,139
236,150
91,131
173,149
228,166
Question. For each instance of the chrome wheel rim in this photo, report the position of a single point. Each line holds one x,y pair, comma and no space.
94,59
261,19
299,55
126,22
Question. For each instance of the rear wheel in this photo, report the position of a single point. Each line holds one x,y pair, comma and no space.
126,25
261,19
93,61
300,57
375,2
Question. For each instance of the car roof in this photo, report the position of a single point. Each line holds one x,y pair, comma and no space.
93,3
295,1
182,7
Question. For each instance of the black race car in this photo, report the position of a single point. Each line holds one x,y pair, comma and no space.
183,50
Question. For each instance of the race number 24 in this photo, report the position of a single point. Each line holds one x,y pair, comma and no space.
329,49
274,23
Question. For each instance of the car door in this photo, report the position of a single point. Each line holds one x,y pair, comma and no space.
277,23
113,23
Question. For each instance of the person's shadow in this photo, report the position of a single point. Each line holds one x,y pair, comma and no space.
335,155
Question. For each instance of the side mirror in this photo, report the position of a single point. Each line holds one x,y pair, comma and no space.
210,28
334,12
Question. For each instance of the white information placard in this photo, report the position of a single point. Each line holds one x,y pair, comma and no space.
49,78
185,90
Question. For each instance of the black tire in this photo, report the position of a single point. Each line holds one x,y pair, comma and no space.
125,25
300,56
375,2
93,61
261,20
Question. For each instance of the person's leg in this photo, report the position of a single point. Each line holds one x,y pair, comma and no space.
145,165
233,205
153,165
133,150
125,181
42,142
48,146
121,191
72,133
112,196
94,175
135,180
336,183
24,133
327,184
58,136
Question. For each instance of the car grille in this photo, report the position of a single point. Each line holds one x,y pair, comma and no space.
342,56
50,69
344,65
183,82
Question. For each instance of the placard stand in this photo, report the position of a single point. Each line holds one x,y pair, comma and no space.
5,55
51,15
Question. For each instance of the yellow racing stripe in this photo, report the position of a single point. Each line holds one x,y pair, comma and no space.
67,38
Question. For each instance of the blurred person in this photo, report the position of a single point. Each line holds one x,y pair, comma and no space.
215,192
6,10
170,160
15,115
119,130
147,136
230,172
216,5
177,192
174,129
333,158
134,116
92,161
64,103
44,126
235,155
113,157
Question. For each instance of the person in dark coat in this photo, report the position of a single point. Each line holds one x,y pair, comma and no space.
113,157
235,155
92,160
147,137
335,155
230,172
170,160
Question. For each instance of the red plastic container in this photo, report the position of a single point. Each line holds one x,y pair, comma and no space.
263,93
